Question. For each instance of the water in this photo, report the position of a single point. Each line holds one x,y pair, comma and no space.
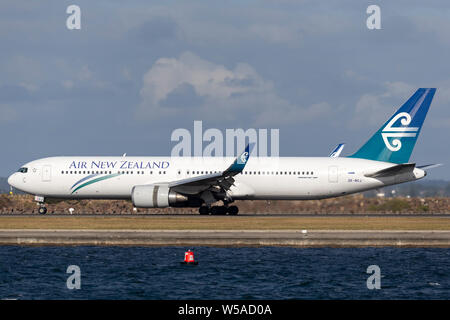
223,273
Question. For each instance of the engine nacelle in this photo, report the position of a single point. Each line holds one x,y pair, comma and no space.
155,196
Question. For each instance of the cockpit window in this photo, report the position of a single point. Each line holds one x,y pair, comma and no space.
23,170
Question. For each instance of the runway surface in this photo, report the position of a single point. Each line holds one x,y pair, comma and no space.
264,230
223,238
240,215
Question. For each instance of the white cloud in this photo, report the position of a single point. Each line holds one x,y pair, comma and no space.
79,76
68,84
84,74
398,89
208,79
372,109
223,91
31,87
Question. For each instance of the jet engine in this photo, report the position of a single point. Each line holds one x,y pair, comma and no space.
157,196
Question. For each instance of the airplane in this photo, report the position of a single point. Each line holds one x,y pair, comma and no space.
157,182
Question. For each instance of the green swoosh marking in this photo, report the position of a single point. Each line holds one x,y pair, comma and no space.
96,180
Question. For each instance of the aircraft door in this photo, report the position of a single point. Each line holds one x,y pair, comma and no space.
333,174
46,173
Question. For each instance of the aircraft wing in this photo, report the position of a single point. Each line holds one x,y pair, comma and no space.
337,151
216,182
397,169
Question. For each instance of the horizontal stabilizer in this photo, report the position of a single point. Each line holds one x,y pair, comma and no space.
391,171
430,166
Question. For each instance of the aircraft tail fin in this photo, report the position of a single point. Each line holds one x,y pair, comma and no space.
395,140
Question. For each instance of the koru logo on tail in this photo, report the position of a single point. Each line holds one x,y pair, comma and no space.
398,132
244,157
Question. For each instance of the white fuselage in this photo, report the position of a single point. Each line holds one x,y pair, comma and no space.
267,178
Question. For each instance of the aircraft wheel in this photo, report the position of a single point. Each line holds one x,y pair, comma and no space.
203,210
42,210
233,210
218,210
222,210
215,210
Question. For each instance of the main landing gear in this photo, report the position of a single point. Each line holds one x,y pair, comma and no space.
219,210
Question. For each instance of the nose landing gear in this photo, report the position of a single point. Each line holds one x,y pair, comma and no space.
42,210
40,200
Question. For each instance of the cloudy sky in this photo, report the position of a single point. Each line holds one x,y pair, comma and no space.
137,70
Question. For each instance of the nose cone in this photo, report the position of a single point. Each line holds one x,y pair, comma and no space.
12,180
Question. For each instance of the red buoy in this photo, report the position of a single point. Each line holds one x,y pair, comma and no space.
189,258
